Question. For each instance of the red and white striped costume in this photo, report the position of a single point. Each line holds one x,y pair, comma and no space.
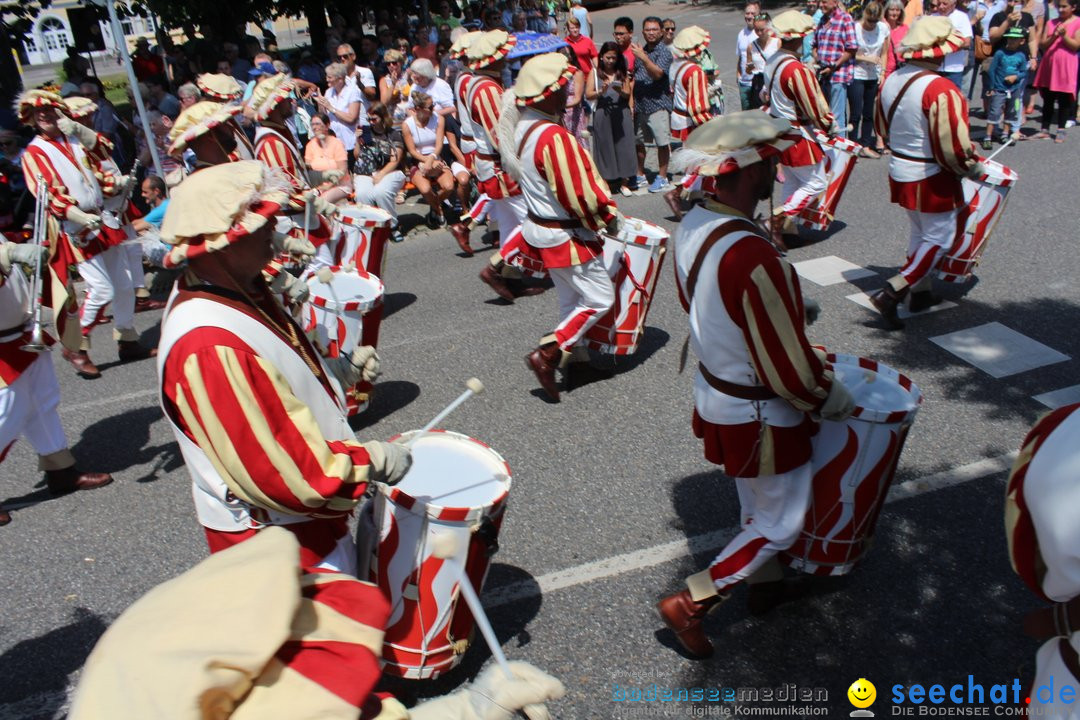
506,207
691,97
795,95
278,150
29,392
747,329
931,149
568,203
266,439
73,176
467,142
1044,547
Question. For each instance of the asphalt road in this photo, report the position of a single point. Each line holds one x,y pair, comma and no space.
610,485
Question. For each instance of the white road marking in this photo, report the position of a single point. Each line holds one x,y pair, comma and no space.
1059,398
138,395
864,300
666,552
831,270
997,350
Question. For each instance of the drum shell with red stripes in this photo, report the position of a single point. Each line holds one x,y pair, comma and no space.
840,157
854,462
985,198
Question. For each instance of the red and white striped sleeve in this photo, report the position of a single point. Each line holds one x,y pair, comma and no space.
697,95
571,175
802,87
946,110
260,438
761,292
101,150
273,151
485,109
34,163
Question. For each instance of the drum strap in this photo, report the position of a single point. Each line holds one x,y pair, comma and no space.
1060,619
565,224
900,96
743,392
528,133
714,237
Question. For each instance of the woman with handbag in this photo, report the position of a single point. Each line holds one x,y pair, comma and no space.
758,53
377,176
611,87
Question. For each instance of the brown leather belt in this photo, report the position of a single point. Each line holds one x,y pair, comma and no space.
568,224
486,156
1060,619
12,330
911,158
680,113
743,392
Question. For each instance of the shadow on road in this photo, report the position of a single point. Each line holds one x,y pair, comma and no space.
390,396
127,444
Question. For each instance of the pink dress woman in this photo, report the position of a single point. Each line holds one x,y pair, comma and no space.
1056,78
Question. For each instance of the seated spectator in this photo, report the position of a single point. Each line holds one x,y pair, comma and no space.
324,151
154,193
377,176
161,99
424,80
342,104
188,94
393,83
425,44
159,127
424,134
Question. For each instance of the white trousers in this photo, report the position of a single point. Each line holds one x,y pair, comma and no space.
108,279
28,407
801,185
585,294
932,234
509,213
383,194
134,255
773,511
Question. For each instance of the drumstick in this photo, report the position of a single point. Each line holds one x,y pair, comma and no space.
475,387
1004,145
444,546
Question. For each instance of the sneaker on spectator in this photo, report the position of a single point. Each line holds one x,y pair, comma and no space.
987,143
625,190
1070,123
641,184
660,184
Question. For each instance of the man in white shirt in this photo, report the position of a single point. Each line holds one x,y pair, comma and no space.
746,36
363,80
953,66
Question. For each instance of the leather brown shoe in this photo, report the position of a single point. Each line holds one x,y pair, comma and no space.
520,289
68,480
80,360
674,202
684,617
461,234
492,277
886,300
543,361
5,516
130,350
145,304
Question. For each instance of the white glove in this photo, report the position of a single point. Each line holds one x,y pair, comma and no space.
389,461
293,245
492,696
87,220
87,137
319,205
24,254
839,405
361,364
975,171
285,284
126,183
615,226
332,176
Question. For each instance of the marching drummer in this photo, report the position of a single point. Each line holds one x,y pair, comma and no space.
760,384
924,119
568,204
795,95
258,414
690,98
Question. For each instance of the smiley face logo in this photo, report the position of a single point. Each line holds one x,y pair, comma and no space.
862,693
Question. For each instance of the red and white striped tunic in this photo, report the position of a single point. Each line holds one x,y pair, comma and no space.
484,100
691,97
795,95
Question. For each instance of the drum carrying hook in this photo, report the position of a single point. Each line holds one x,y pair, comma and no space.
488,534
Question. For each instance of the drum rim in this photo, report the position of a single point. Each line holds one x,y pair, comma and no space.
331,304
633,238
472,512
881,416
352,207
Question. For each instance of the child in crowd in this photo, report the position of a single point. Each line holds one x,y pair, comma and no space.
1007,72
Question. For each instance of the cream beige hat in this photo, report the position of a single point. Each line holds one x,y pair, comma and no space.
461,45
79,107
220,87
691,41
216,206
489,48
33,99
792,24
540,77
268,94
729,143
930,37
199,119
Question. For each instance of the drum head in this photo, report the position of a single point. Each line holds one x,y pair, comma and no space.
643,232
451,470
879,391
997,174
364,215
346,291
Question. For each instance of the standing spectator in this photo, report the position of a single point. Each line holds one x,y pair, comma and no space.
238,67
1057,74
624,36
870,59
188,94
161,99
574,118
342,104
1037,9
952,68
76,67
583,46
444,17
742,44
758,52
835,44
308,69
324,151
425,47
611,87
1008,68
377,176
668,26
360,77
1011,16
894,18
652,103
913,10
814,12
106,122
146,64
581,14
